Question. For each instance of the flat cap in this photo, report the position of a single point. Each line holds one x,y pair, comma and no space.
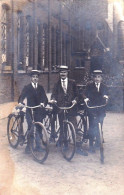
63,67
34,72
97,72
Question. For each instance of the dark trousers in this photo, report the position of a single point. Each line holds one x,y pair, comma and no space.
93,126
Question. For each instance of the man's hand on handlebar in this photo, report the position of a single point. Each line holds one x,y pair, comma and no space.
42,105
106,98
74,102
20,105
53,102
86,100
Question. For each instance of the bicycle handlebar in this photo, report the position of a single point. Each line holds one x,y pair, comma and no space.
32,107
100,106
64,108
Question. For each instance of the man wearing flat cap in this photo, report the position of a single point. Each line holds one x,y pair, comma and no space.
96,93
35,95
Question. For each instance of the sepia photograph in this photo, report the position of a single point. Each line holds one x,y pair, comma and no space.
62,97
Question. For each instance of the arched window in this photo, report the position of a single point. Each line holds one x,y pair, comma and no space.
5,39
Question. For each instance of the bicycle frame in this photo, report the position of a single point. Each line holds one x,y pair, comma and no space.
67,138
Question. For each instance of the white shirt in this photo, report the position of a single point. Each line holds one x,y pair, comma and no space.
34,85
65,82
97,86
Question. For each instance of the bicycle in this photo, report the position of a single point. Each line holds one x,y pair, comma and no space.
68,138
99,135
37,135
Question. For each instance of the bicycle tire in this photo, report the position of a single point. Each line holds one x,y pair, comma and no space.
39,142
68,142
13,128
101,143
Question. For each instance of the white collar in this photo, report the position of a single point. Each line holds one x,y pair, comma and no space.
34,85
98,84
66,79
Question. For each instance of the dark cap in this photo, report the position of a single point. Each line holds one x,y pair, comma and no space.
34,72
97,72
63,67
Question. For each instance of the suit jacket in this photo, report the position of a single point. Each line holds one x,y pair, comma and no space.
95,97
34,96
62,98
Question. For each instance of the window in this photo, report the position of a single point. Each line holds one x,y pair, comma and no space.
67,50
57,47
63,49
42,46
24,42
121,40
53,48
20,39
5,41
45,47
28,42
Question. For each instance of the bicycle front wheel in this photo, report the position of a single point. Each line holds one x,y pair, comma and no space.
39,142
13,129
101,143
68,144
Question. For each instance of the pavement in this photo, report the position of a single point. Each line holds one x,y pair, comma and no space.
21,175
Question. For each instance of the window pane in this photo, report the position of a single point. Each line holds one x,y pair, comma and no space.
4,35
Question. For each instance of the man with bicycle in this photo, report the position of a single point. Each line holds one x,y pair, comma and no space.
65,94
35,95
96,94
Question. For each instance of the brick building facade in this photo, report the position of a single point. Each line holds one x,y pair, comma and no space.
42,34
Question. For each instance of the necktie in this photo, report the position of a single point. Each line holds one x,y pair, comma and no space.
64,86
97,86
35,85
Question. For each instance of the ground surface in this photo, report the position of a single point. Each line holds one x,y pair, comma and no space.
20,174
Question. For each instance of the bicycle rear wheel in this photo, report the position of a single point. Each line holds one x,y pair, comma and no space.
39,142
101,143
13,129
68,142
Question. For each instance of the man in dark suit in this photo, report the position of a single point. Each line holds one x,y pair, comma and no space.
65,93
97,94
35,95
